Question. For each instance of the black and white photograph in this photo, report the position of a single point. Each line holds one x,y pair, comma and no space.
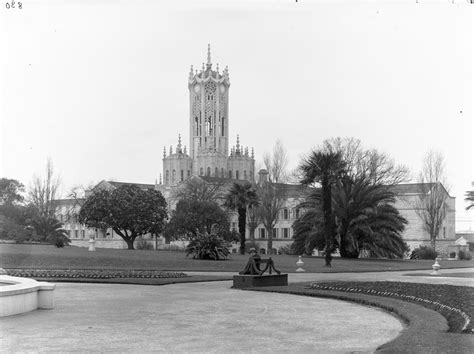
266,176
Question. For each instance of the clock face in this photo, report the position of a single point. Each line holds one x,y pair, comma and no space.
197,88
222,88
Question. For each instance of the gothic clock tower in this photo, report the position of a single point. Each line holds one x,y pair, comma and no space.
209,112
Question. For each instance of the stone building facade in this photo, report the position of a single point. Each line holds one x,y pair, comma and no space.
210,159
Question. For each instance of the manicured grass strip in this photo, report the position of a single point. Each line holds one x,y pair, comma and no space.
453,302
426,331
50,257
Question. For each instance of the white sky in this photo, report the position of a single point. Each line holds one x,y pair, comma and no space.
101,86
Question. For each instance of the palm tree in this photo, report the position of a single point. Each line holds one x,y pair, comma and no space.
50,230
324,167
469,199
241,197
366,218
308,227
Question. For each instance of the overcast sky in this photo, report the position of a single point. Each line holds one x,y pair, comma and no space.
101,86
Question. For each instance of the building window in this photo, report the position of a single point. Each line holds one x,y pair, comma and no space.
275,233
222,173
236,174
182,175
201,171
189,173
245,174
76,233
286,232
70,234
230,174
262,233
167,178
444,232
297,213
83,233
285,214
208,171
251,175
173,177
216,172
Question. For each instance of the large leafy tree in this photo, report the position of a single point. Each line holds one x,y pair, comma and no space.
130,211
192,218
240,198
10,191
324,167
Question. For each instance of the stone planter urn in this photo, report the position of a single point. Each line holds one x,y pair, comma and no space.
436,267
91,245
300,264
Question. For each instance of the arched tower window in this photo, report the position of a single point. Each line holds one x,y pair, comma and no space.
222,173
237,174
245,174
230,174
201,171
208,171
182,175
189,173
216,172
173,177
167,177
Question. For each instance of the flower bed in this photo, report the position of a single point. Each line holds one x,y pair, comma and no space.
453,302
91,273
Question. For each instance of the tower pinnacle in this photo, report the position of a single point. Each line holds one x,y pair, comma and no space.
209,64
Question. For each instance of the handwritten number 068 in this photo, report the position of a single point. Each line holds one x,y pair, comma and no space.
12,5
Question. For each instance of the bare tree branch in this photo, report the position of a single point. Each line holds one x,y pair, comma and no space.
431,205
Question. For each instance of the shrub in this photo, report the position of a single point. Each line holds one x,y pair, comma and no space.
207,246
424,252
58,240
287,249
465,255
251,244
142,244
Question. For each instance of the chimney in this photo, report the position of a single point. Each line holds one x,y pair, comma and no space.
262,176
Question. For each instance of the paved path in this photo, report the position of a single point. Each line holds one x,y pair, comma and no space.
194,317
418,276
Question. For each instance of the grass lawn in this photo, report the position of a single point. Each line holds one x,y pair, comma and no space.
49,257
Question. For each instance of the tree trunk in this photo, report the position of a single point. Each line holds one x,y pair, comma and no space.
252,233
242,218
129,242
433,242
328,222
270,240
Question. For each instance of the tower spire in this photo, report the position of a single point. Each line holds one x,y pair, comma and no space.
209,64
178,149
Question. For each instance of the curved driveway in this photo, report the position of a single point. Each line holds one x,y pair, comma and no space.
194,317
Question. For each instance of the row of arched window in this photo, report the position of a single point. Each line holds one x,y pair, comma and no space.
173,176
222,174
